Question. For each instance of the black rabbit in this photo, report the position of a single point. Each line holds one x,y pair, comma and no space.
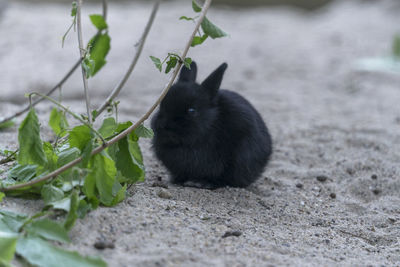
208,137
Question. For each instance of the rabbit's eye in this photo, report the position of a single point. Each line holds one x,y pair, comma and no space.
191,111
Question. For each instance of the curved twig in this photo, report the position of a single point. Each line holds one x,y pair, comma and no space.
58,85
121,84
131,128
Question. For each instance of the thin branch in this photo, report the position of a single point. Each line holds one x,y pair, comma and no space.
131,128
58,85
121,84
76,116
83,54
9,157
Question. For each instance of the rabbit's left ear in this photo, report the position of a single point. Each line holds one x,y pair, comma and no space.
213,81
188,75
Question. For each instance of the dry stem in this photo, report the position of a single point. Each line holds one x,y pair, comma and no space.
121,84
58,85
83,54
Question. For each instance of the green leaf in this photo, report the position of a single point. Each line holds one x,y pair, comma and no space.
79,136
51,156
186,18
30,144
396,47
212,30
108,127
62,204
187,62
128,160
143,131
74,8
101,179
2,195
7,124
48,229
86,154
41,253
22,173
73,208
51,193
123,126
68,154
197,40
171,63
196,7
98,48
83,208
95,113
157,62
68,185
119,192
58,122
98,21
8,243
88,64
13,221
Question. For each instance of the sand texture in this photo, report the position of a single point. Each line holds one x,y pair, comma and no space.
331,193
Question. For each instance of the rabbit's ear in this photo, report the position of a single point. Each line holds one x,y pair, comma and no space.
213,81
187,75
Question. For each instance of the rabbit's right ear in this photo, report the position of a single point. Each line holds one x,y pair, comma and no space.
188,75
213,81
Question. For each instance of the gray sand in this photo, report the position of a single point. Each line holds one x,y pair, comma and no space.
297,68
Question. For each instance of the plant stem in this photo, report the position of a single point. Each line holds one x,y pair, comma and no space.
105,9
121,84
76,116
83,54
131,128
58,85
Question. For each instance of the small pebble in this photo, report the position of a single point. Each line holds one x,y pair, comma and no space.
374,176
376,191
162,193
332,195
350,171
204,217
299,185
103,244
232,233
159,184
322,178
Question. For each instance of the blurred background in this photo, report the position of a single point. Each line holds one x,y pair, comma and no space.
282,54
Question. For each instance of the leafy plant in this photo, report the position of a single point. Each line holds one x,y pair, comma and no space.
84,168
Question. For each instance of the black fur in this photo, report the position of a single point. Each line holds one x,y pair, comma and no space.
209,137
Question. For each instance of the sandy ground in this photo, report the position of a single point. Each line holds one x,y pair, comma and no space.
327,120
